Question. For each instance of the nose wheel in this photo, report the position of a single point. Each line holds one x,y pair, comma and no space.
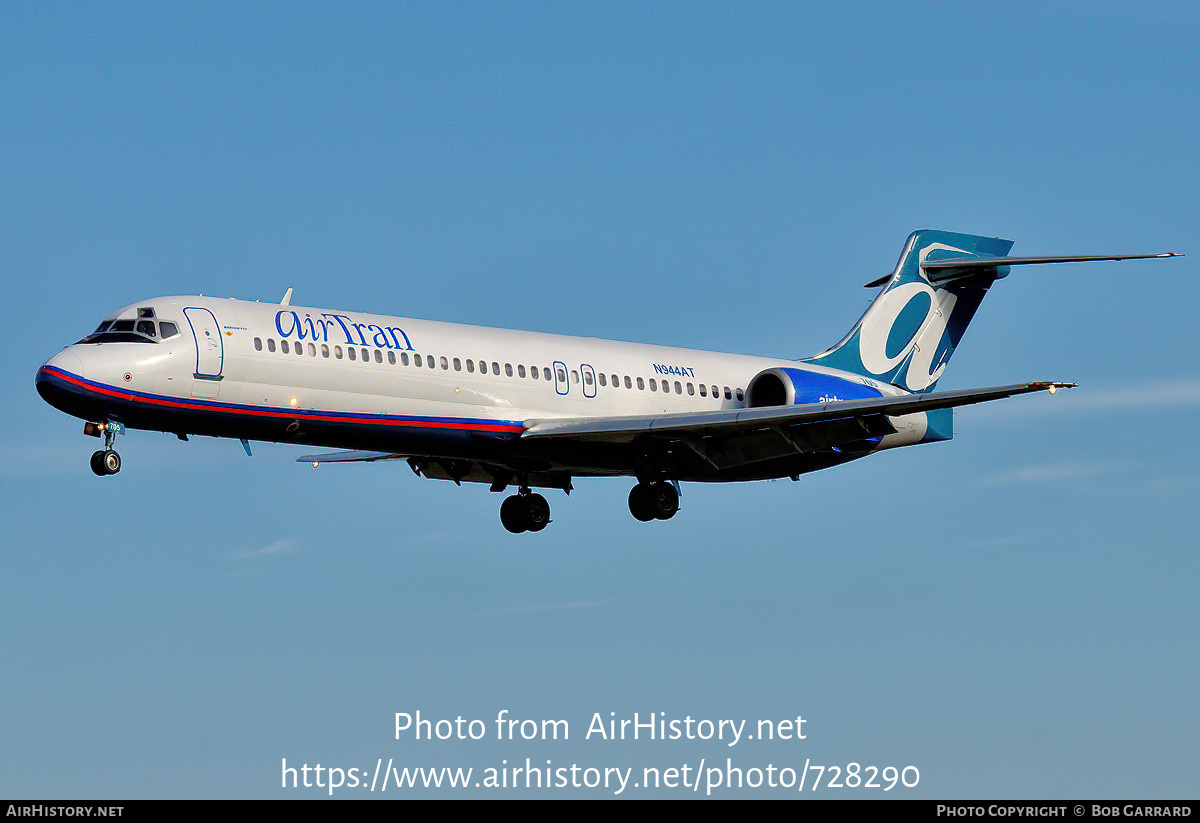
525,512
106,461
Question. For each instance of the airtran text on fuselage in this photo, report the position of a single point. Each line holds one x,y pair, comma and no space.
290,324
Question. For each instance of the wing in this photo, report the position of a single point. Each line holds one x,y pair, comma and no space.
498,475
734,422
747,442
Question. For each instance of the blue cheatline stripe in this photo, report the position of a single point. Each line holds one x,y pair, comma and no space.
194,404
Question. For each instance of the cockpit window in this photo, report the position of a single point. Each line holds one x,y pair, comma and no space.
145,329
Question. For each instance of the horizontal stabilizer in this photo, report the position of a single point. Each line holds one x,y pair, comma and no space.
949,268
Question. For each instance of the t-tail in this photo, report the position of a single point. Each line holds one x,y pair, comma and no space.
907,334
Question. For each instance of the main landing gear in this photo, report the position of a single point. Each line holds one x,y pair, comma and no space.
525,512
106,461
654,501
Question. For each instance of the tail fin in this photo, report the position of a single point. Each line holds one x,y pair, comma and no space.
907,334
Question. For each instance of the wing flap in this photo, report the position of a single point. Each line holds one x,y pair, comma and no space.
348,457
731,450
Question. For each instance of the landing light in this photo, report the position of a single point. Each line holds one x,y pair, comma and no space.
1053,389
315,464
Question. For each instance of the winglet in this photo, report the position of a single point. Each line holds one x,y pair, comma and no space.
287,298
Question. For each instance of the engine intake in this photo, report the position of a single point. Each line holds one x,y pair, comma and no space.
788,387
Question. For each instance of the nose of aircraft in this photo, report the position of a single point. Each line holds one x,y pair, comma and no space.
66,360
55,375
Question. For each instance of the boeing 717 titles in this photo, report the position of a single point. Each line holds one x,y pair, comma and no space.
524,410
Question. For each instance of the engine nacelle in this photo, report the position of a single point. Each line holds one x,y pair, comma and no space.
788,387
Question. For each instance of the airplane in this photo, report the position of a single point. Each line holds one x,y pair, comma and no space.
535,411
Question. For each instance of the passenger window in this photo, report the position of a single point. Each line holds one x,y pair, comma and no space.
508,369
678,388
391,358
641,384
739,394
546,372
603,380
379,356
337,352
587,378
728,394
270,344
495,367
312,350
258,344
325,350
703,390
352,353
533,372
520,371
470,367
403,358
483,367
457,364
628,382
445,364
574,376
691,389
284,347
417,360
562,375
653,384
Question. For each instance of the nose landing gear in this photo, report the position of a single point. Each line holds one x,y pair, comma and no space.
106,461
525,512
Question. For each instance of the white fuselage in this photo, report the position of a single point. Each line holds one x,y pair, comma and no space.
457,376
441,391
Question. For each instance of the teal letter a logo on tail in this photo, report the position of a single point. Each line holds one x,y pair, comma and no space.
907,334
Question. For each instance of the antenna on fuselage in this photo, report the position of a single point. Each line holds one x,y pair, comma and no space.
287,298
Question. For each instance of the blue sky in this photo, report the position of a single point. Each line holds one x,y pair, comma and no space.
1013,613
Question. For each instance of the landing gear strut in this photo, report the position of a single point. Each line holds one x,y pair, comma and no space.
525,512
654,501
106,461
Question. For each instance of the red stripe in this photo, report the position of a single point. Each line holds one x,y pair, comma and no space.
179,404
